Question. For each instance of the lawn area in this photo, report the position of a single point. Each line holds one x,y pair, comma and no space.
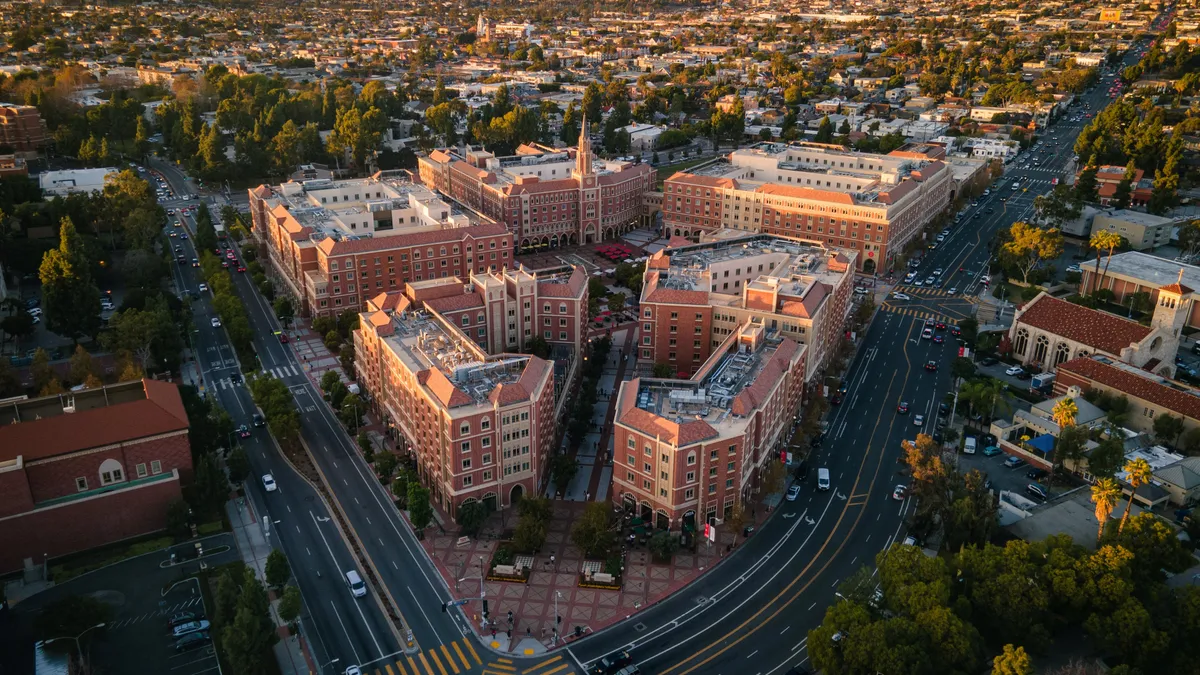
666,170
1013,293
90,561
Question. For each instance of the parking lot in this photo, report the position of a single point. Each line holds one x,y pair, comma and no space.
1004,478
138,639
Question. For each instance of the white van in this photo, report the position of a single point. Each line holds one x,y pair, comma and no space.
969,445
822,479
355,582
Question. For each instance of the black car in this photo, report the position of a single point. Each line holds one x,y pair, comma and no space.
258,420
235,377
988,361
612,663
1024,375
1037,474
801,470
192,641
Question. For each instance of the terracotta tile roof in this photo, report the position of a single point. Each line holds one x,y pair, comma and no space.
455,303
1177,288
262,191
676,241
445,391
542,186
679,435
381,322
522,389
387,301
685,178
439,156
1178,401
332,247
574,288
159,413
772,372
897,193
806,193
1099,330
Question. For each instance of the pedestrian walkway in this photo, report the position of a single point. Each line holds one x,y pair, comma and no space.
291,650
920,313
312,354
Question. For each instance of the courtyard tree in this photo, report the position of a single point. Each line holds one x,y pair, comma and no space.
1030,246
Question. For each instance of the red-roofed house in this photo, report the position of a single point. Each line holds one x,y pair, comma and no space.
1047,331
686,450
1150,396
88,468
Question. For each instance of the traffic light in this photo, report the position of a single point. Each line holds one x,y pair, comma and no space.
443,608
558,620
578,631
485,609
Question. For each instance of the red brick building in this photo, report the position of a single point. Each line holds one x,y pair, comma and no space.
84,469
334,244
546,197
695,296
685,450
22,128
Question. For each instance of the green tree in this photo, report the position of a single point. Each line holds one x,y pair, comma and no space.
825,131
1101,241
238,465
663,545
290,605
1105,495
1012,661
212,488
82,366
385,463
225,600
774,474
1167,428
471,517
277,569
1029,246
563,468
591,531
178,518
206,232
419,509
1137,474
1086,186
70,300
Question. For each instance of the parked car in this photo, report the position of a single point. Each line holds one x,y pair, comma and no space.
1014,370
1037,492
180,618
1037,474
192,641
1014,462
189,627
991,451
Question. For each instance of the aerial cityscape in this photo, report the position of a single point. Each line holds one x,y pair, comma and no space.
644,338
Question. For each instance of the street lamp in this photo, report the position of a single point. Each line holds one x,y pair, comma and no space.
321,668
78,649
557,616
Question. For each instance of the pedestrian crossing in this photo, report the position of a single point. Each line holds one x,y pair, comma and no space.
460,658
920,314
280,373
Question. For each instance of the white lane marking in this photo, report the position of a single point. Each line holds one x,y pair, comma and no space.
427,621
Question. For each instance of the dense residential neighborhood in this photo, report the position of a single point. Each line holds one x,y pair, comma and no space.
493,338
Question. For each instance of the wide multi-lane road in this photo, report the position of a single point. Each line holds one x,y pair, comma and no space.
447,645
752,613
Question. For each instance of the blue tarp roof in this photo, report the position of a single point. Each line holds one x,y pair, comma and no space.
1043,444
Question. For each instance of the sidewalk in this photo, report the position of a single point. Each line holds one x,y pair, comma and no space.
291,650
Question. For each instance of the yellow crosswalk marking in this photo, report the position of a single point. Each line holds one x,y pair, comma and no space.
470,648
412,665
388,668
463,657
437,662
400,669
543,664
450,660
561,667
505,667
421,657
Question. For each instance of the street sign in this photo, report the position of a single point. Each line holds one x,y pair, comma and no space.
457,603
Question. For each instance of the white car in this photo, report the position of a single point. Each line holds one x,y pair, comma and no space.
918,282
793,493
203,287
918,420
34,311
1014,370
269,482
927,334
901,296
953,290
216,323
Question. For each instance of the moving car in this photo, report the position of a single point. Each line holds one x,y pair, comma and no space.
258,420
269,482
610,664
927,333
902,408
931,366
901,296
938,339
900,492
203,287
793,492
216,323
243,431
918,420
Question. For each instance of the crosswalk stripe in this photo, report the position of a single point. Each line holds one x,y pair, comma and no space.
400,668
436,661
458,650
504,667
561,667
450,659
412,666
541,665
421,656
388,668
471,648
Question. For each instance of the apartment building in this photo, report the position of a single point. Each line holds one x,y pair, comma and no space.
870,204
685,450
22,129
546,197
480,427
335,243
694,297
88,468
1142,230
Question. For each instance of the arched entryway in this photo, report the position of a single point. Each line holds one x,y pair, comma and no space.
689,521
647,513
869,266
517,492
554,241
662,521
489,501
628,503
589,235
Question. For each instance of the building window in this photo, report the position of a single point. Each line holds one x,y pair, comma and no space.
487,475
465,429
631,442
487,459
468,481
80,484
485,424
466,446
111,472
466,464
155,467
691,476
487,441
689,493
141,470
632,461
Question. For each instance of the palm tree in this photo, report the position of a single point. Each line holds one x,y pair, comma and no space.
1105,494
1137,474
1064,413
1101,240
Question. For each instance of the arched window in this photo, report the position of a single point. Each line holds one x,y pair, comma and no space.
111,472
1040,346
1021,343
1062,353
